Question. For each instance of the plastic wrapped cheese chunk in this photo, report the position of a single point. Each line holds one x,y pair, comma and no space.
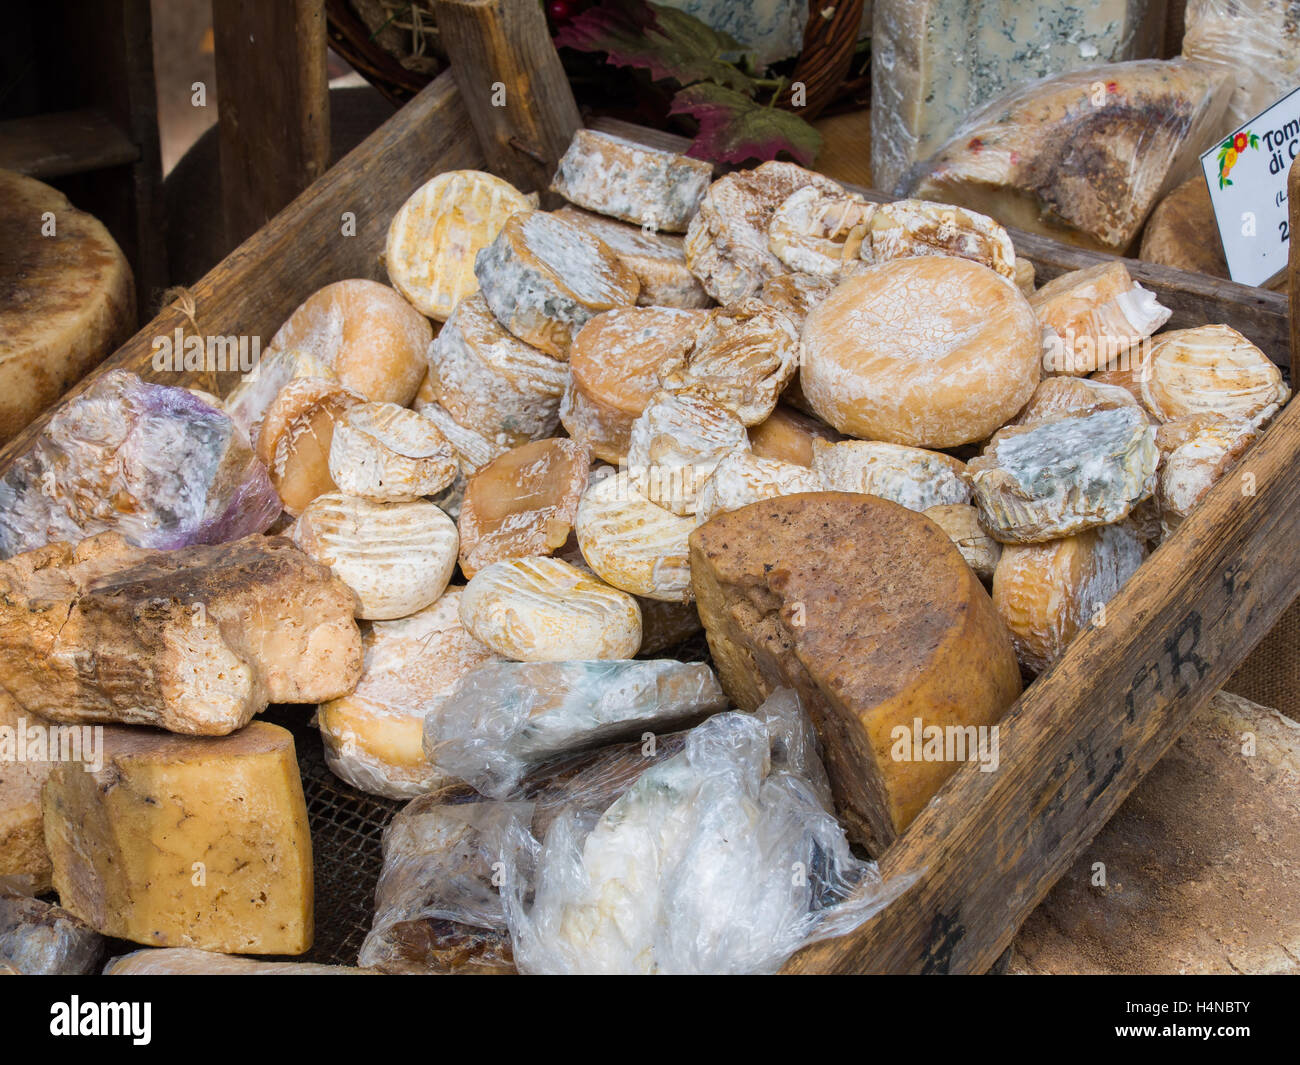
632,542
151,462
689,870
39,939
1082,157
504,717
389,454
437,232
928,351
615,365
544,610
1210,369
675,444
1047,593
910,476
1063,474
373,736
1094,316
183,841
522,503
545,278
646,186
727,243
396,557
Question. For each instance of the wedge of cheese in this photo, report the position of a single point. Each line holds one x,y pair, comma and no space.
1081,157
545,278
68,298
618,177
184,841
896,637
741,478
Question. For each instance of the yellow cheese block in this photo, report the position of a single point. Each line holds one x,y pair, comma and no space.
22,843
183,841
66,298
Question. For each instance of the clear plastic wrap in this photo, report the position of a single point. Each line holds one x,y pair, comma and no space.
505,716
1257,45
1081,157
724,858
40,939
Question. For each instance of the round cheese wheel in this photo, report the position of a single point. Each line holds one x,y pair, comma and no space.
66,298
372,339
930,351
436,234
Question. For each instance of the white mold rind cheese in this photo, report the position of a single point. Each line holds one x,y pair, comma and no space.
617,177
1047,593
918,227
488,381
657,259
632,543
727,243
742,478
819,233
437,232
1072,395
1063,474
743,358
544,610
396,557
545,278
675,444
1210,369
389,454
473,450
909,476
1196,450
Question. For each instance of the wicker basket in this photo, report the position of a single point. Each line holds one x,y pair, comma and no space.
385,58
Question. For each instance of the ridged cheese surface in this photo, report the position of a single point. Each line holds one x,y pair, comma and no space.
396,557
1210,369
437,232
632,543
675,444
544,610
389,454
817,232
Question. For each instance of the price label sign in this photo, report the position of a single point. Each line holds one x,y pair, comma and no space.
1247,173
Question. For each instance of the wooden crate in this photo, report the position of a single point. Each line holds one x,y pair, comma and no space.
990,845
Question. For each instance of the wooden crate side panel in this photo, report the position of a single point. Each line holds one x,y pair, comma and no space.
254,289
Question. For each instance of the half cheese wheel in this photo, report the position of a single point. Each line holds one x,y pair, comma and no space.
436,234
66,298
933,352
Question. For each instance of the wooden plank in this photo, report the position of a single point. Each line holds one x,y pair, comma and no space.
1195,299
990,845
64,142
259,284
273,105
513,84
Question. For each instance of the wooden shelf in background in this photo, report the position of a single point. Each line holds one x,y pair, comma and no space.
64,142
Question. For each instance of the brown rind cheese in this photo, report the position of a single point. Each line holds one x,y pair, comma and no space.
899,628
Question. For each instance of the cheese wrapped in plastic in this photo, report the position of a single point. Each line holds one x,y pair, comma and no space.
39,939
1081,157
724,858
505,716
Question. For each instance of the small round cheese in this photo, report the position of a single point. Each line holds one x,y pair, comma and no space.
390,454
930,351
1210,369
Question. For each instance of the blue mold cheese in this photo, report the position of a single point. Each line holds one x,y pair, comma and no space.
1063,474
936,61
618,177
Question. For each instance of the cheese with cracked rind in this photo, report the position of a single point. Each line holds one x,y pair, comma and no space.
1047,593
820,233
614,370
373,736
545,278
919,227
544,610
396,557
1195,451
1072,395
436,234
727,242
1063,474
618,177
389,454
742,478
674,445
657,259
182,841
1211,368
522,503
930,352
910,476
633,543
504,390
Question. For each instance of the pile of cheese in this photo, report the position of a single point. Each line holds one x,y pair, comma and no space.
819,428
